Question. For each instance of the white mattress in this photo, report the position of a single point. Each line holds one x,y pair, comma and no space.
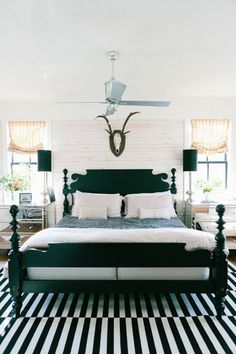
71,273
156,273
166,273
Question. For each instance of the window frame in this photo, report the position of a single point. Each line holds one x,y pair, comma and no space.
209,162
12,163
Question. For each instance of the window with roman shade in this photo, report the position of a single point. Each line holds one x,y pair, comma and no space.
26,136
210,136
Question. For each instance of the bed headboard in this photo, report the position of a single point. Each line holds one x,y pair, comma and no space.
116,181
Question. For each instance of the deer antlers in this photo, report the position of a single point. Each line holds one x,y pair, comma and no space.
124,125
126,121
108,123
117,137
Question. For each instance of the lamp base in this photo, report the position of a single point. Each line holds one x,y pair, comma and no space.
189,193
45,199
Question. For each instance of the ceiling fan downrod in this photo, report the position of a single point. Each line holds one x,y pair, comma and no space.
113,55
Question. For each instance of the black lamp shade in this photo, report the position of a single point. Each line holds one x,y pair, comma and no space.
190,160
44,160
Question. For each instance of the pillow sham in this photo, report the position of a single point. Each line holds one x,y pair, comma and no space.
111,201
149,201
135,196
93,213
161,213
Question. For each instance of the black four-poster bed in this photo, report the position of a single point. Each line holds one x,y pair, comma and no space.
117,254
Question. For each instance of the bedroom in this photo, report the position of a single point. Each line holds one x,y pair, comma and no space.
54,52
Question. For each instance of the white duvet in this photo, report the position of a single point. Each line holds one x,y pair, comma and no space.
194,239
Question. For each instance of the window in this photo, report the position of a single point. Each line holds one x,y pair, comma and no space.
24,165
213,167
210,138
25,138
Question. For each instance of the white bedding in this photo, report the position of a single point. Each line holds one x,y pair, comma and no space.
194,239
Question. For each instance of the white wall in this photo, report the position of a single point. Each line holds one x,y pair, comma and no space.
157,138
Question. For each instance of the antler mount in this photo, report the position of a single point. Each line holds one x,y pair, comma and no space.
117,138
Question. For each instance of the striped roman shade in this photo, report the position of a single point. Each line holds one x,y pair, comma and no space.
210,136
26,136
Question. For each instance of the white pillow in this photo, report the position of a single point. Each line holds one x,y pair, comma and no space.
134,195
111,201
93,213
151,201
161,213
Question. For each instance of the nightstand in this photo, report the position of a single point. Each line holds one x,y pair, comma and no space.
32,218
203,216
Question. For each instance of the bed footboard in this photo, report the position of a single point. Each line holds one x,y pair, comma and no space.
118,255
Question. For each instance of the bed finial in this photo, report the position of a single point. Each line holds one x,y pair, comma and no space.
220,238
173,187
220,258
14,263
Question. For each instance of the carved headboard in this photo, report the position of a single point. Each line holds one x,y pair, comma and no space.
116,181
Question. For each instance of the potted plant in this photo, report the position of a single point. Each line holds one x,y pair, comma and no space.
207,187
14,183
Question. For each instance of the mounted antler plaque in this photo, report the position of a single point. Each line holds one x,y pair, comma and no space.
117,137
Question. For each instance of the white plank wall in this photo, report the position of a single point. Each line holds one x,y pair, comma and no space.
79,145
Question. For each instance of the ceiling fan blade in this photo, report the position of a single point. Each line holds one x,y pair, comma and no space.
145,103
66,102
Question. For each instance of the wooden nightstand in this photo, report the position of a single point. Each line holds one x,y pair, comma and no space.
32,218
202,215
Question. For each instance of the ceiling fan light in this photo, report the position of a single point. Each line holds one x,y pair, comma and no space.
111,109
114,90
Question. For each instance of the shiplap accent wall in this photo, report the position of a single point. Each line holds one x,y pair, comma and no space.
80,145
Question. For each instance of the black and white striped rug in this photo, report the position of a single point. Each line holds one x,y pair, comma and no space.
108,323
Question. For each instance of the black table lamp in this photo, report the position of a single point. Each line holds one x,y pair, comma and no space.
45,165
190,165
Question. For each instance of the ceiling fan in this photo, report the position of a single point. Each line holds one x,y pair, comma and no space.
114,90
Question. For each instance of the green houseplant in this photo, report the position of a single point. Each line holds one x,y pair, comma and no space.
207,187
14,182
11,184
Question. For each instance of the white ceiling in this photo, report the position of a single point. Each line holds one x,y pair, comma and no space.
55,49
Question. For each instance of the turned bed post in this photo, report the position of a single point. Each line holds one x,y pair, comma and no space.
173,179
221,265
15,272
66,191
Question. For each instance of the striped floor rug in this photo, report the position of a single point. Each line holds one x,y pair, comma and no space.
108,323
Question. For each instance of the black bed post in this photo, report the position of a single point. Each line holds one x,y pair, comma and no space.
15,272
173,178
220,258
66,191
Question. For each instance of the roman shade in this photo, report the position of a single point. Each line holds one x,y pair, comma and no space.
210,136
26,136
